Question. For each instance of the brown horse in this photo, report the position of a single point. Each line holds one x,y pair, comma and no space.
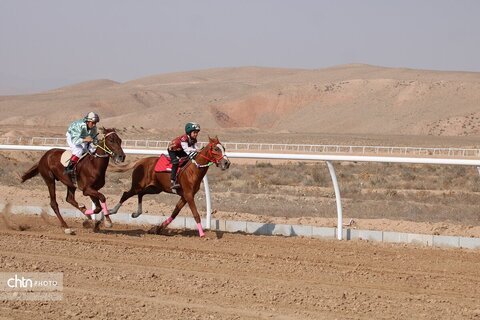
146,181
90,176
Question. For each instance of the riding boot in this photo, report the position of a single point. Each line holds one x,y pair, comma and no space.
173,176
71,165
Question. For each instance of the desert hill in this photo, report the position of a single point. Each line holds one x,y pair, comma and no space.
347,99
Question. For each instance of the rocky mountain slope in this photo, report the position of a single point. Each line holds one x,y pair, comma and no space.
347,99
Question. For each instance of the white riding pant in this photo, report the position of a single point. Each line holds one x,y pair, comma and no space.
79,149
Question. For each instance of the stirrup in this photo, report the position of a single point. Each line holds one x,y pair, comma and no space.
174,185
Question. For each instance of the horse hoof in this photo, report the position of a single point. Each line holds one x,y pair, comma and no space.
69,231
154,230
96,227
107,224
87,223
151,231
136,214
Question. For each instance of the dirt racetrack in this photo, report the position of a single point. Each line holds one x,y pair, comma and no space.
124,273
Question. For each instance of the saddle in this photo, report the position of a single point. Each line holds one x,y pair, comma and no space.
164,164
66,155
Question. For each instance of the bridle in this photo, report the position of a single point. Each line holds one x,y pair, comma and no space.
212,156
104,147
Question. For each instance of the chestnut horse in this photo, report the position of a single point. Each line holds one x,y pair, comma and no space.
90,175
146,181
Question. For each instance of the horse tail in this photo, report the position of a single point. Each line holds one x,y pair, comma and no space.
32,172
123,168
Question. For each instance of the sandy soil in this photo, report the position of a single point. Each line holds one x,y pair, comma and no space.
124,273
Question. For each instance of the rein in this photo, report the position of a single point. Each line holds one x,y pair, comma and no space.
202,165
210,157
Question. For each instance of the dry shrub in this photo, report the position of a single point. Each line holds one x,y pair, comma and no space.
235,173
368,190
262,164
319,174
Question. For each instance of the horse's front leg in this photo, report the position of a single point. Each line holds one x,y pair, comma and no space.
193,207
107,222
100,205
180,204
71,199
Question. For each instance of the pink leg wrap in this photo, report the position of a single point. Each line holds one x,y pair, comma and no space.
167,222
104,208
200,230
88,212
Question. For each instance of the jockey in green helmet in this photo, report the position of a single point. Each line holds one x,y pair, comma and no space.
182,146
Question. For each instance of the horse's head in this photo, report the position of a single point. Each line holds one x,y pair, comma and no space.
215,152
112,145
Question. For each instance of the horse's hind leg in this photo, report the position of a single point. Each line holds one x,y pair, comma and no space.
71,199
108,222
125,196
136,187
139,205
53,201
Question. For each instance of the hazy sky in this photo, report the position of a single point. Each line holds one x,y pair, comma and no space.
46,44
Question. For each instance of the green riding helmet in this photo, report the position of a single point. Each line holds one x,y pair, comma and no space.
191,126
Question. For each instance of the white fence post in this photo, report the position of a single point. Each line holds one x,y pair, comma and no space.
338,200
209,203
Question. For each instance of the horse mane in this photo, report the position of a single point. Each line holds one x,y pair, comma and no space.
104,130
213,140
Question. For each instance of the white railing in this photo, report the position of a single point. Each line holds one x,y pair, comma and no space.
271,147
300,157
